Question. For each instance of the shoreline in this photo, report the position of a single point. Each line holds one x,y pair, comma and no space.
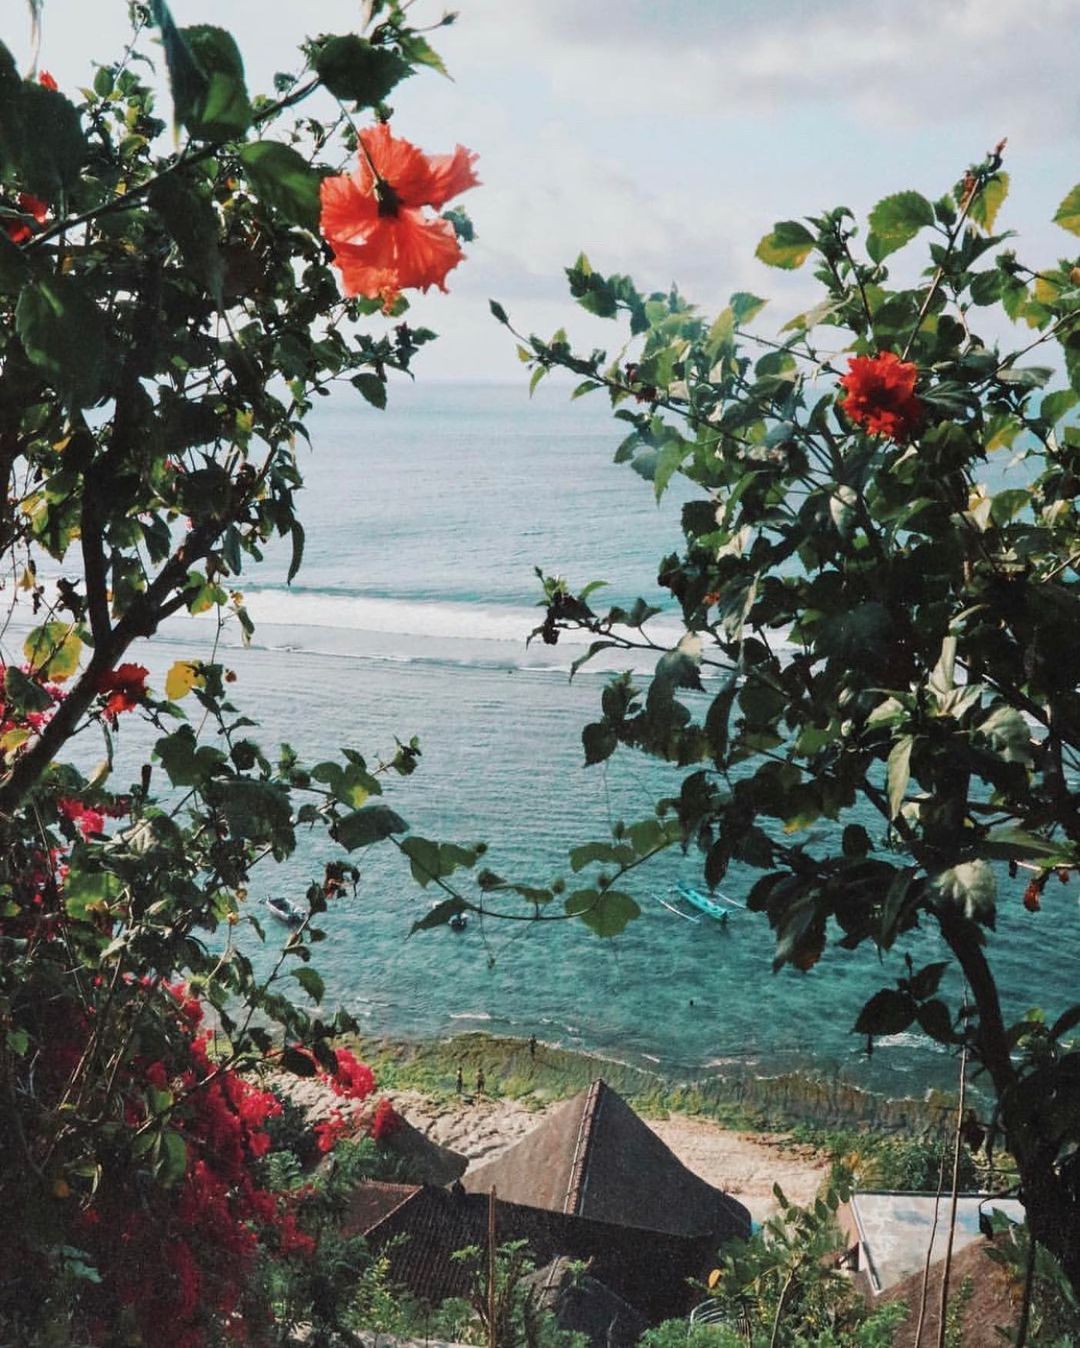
736,1097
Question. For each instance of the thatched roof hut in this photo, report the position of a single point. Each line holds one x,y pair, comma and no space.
595,1158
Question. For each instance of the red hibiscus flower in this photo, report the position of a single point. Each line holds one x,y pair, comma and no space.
17,230
374,219
126,686
879,395
46,80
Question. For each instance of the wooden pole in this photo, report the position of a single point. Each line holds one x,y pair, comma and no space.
492,1336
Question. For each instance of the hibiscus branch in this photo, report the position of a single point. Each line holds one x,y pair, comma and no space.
187,157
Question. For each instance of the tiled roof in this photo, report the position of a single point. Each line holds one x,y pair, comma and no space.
648,1269
371,1202
595,1158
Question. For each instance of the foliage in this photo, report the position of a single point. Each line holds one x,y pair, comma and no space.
1055,1307
167,318
879,590
783,1282
511,1314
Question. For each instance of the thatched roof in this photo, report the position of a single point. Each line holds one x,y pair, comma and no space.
648,1269
595,1158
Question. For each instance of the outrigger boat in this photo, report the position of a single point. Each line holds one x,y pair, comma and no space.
285,911
720,907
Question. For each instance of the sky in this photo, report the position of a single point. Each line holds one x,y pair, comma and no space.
665,137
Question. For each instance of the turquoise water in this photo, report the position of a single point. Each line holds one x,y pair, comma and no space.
409,616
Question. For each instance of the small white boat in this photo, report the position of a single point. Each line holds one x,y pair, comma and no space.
285,911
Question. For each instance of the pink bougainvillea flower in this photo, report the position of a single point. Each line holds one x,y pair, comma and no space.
374,219
18,231
126,686
46,80
879,395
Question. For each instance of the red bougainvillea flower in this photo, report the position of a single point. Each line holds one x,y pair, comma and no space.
17,230
125,685
374,219
85,817
385,1121
46,80
879,395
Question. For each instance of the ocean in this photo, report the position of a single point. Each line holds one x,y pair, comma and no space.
409,617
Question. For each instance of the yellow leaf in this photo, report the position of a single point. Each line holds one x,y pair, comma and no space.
181,679
53,651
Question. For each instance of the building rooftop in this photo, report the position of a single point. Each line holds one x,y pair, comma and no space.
895,1229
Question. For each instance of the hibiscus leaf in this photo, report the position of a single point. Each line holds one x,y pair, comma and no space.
887,1012
56,146
222,110
1068,213
371,387
63,334
193,225
605,913
352,69
369,825
284,180
987,203
788,246
187,81
895,221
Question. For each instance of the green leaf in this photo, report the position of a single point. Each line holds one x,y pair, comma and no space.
193,224
745,307
419,50
371,387
1068,213
599,741
187,80
934,1019
14,266
607,913
788,246
221,110
64,334
23,694
896,220
172,1162
284,180
440,915
369,825
887,1012
899,773
353,69
83,888
311,981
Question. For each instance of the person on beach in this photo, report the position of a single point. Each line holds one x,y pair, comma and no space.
532,1046
460,1080
479,1082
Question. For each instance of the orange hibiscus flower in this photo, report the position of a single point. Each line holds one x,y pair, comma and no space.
879,395
374,219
